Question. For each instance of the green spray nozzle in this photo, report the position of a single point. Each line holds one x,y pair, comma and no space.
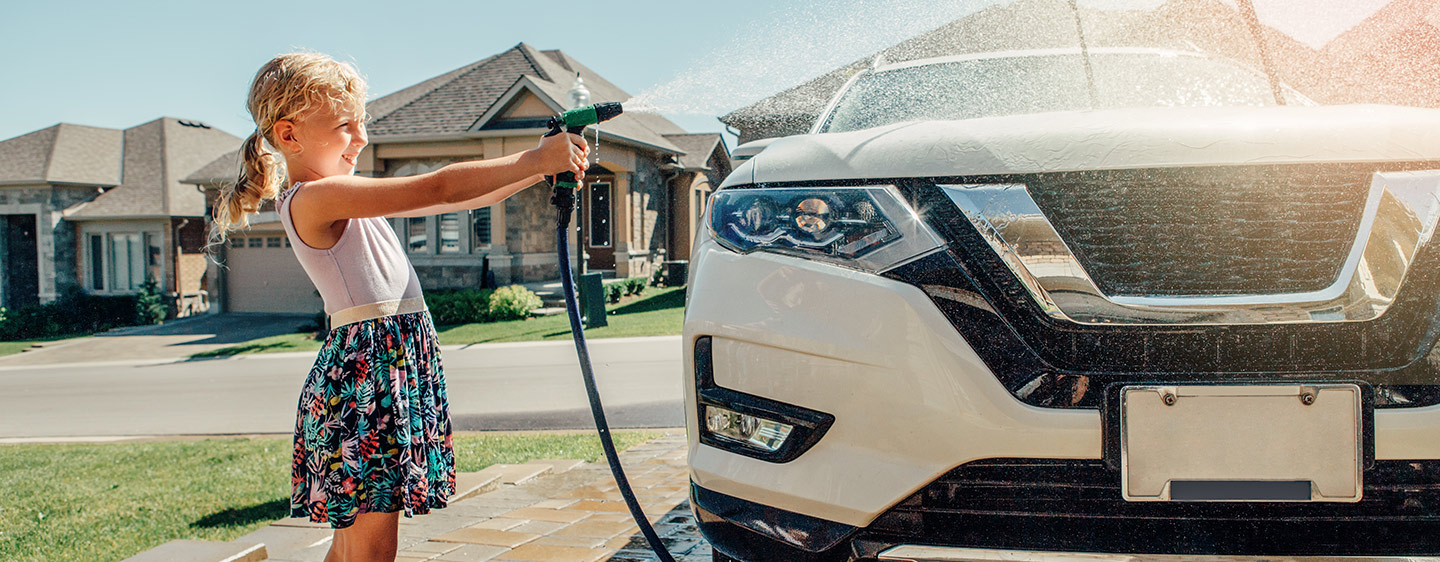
575,121
582,117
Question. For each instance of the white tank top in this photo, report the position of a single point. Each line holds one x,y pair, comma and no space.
367,265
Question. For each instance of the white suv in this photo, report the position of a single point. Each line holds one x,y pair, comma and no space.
994,309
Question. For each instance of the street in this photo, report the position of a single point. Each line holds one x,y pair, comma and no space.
533,385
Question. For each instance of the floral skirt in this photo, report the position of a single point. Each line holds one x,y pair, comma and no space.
372,430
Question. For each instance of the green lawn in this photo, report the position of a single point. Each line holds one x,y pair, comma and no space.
659,312
112,501
13,347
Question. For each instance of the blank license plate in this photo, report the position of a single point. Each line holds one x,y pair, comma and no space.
1241,443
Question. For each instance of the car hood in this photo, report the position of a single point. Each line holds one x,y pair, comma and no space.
1108,139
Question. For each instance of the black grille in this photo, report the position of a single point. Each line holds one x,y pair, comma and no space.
1207,231
1076,506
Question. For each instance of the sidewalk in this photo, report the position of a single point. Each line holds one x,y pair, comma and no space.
572,514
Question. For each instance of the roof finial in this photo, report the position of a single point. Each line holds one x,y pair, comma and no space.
579,95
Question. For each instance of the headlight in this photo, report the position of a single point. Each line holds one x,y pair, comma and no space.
866,228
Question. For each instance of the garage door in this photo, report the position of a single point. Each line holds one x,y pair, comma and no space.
264,275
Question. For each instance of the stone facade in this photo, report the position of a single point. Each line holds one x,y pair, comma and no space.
56,242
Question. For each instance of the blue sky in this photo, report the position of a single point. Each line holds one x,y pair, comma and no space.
118,64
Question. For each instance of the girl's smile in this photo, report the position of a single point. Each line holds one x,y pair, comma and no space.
325,144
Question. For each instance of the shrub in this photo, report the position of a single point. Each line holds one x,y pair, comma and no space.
463,306
150,307
513,302
73,313
635,286
613,292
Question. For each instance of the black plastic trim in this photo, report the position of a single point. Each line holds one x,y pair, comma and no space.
1076,506
808,425
753,532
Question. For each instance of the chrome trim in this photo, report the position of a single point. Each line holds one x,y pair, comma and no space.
915,553
1400,216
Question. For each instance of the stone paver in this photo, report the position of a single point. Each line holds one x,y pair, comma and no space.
573,513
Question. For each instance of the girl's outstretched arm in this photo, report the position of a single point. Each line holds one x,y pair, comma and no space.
482,201
463,185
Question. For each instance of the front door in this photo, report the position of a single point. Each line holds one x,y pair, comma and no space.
598,226
22,267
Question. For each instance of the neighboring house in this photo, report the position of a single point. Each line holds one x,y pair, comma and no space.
637,205
641,203
255,270
1399,41
102,210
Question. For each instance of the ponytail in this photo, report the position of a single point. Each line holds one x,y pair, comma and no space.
259,180
287,87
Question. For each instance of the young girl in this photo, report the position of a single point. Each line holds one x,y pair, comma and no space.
372,431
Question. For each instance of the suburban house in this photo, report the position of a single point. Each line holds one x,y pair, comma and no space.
640,206
101,210
1391,57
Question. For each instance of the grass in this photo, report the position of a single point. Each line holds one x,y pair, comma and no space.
112,501
13,347
659,312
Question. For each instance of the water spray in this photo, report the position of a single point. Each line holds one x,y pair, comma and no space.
575,121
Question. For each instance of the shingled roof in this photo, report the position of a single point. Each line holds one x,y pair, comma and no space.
223,169
64,153
156,155
698,149
1205,25
452,104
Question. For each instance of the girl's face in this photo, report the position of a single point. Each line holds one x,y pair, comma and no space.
328,144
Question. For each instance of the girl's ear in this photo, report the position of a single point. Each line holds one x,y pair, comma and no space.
284,133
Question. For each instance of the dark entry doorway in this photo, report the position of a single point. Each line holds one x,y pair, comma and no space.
597,227
21,283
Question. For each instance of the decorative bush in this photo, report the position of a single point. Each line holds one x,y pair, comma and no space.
73,313
463,306
635,286
150,307
513,302
613,292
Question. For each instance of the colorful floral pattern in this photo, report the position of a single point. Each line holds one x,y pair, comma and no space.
372,430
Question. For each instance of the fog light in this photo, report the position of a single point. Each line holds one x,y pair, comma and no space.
759,433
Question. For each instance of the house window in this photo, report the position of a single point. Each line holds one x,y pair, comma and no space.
97,262
272,242
480,225
255,242
450,233
415,235
599,214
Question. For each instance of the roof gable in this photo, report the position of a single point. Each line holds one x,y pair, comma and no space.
454,106
156,155
471,98
524,102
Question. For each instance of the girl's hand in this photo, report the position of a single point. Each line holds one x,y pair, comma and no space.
563,153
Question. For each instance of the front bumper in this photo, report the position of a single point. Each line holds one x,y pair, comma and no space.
911,398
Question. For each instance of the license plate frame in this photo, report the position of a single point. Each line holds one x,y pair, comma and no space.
1146,453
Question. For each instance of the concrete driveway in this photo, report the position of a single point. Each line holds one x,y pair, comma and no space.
176,338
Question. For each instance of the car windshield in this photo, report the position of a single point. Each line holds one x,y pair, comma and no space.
999,86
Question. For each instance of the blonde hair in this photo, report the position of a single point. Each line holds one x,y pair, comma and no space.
288,87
